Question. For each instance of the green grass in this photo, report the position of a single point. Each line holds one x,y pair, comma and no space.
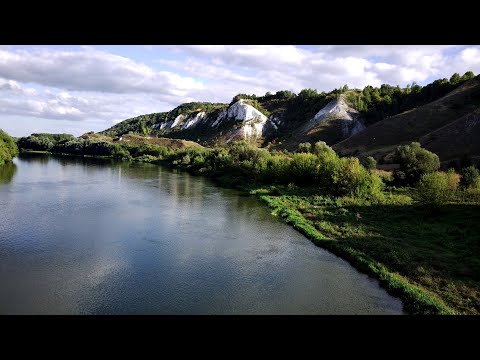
429,260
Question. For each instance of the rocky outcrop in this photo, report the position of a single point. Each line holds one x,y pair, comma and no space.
337,110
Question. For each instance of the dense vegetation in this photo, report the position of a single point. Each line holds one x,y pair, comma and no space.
43,142
68,144
414,162
8,148
377,103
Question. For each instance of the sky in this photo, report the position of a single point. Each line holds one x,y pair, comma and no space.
75,89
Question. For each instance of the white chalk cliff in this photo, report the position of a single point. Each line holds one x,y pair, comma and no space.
338,110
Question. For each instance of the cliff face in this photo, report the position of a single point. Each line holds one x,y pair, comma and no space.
340,112
221,122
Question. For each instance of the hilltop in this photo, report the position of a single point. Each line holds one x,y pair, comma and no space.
371,121
447,126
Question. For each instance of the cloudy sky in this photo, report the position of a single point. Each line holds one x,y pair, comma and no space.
76,89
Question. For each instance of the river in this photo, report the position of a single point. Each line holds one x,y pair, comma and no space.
91,236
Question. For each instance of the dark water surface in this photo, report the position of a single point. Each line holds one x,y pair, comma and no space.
84,236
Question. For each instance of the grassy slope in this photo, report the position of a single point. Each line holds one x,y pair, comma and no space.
431,261
139,140
382,137
455,139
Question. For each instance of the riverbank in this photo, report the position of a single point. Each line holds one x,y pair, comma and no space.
429,261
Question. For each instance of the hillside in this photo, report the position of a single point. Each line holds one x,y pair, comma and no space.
447,126
358,122
141,140
222,123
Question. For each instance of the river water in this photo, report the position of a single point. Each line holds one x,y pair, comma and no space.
89,236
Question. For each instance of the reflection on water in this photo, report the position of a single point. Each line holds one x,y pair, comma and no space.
95,236
7,172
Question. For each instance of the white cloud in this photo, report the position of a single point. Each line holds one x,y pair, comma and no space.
89,70
89,84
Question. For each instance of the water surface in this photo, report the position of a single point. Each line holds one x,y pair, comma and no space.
85,236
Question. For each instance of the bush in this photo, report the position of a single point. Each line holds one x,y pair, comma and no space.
321,147
278,169
352,179
371,163
146,158
433,189
304,168
453,180
470,178
8,148
304,147
414,161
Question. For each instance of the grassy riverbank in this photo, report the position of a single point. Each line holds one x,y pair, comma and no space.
430,261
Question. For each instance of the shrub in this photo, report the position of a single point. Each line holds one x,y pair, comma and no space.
278,168
8,148
186,160
414,161
352,179
433,189
146,158
321,147
470,178
303,168
453,180
328,167
304,147
371,163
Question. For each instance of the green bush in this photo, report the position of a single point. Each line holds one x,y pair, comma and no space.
453,180
371,163
470,178
414,161
351,178
304,168
304,147
146,158
433,189
278,169
321,147
329,163
8,148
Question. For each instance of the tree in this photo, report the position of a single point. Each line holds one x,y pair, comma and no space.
8,148
308,93
414,161
321,147
304,147
371,163
468,75
433,189
284,94
455,78
470,177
